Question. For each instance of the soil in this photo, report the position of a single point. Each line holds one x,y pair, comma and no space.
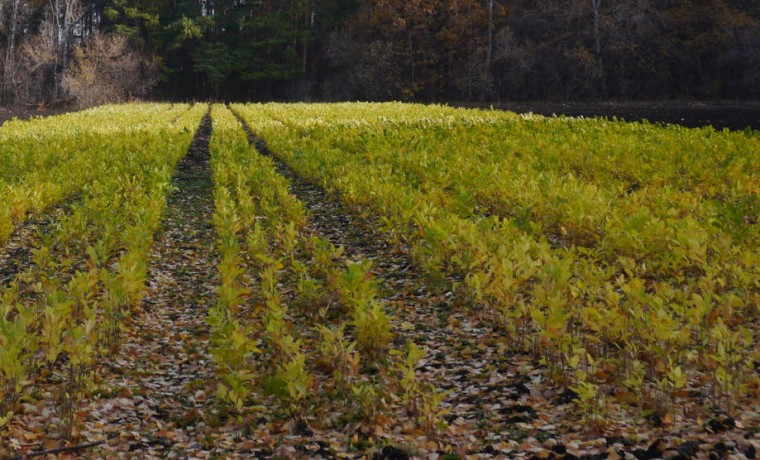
27,112
734,115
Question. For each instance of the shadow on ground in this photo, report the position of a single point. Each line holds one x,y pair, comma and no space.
719,114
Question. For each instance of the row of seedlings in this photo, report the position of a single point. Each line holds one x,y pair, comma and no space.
47,161
66,310
316,335
601,325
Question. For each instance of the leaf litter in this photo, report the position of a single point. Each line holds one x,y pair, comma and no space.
152,396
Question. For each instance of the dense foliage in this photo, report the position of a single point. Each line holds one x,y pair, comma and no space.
64,310
613,264
391,49
624,255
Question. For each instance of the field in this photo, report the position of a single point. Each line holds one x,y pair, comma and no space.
376,280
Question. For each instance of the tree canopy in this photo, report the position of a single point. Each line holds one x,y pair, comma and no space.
422,50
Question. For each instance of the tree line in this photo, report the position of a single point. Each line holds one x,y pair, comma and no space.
93,51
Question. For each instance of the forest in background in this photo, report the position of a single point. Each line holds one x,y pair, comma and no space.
94,51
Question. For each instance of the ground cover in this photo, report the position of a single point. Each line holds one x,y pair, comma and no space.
389,280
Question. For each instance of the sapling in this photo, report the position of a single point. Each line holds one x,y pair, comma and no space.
42,275
234,389
246,206
591,403
81,348
476,282
15,346
112,304
308,289
369,402
297,381
423,401
431,410
282,344
338,354
634,378
286,237
355,286
132,273
732,367
83,289
270,278
231,347
674,380
323,256
231,293
372,329
257,243
406,367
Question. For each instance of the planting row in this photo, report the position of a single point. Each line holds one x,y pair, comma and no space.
62,313
624,255
294,319
48,160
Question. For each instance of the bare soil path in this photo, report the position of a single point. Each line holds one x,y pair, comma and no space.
27,112
153,396
735,115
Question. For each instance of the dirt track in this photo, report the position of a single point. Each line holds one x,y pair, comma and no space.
23,113
724,114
